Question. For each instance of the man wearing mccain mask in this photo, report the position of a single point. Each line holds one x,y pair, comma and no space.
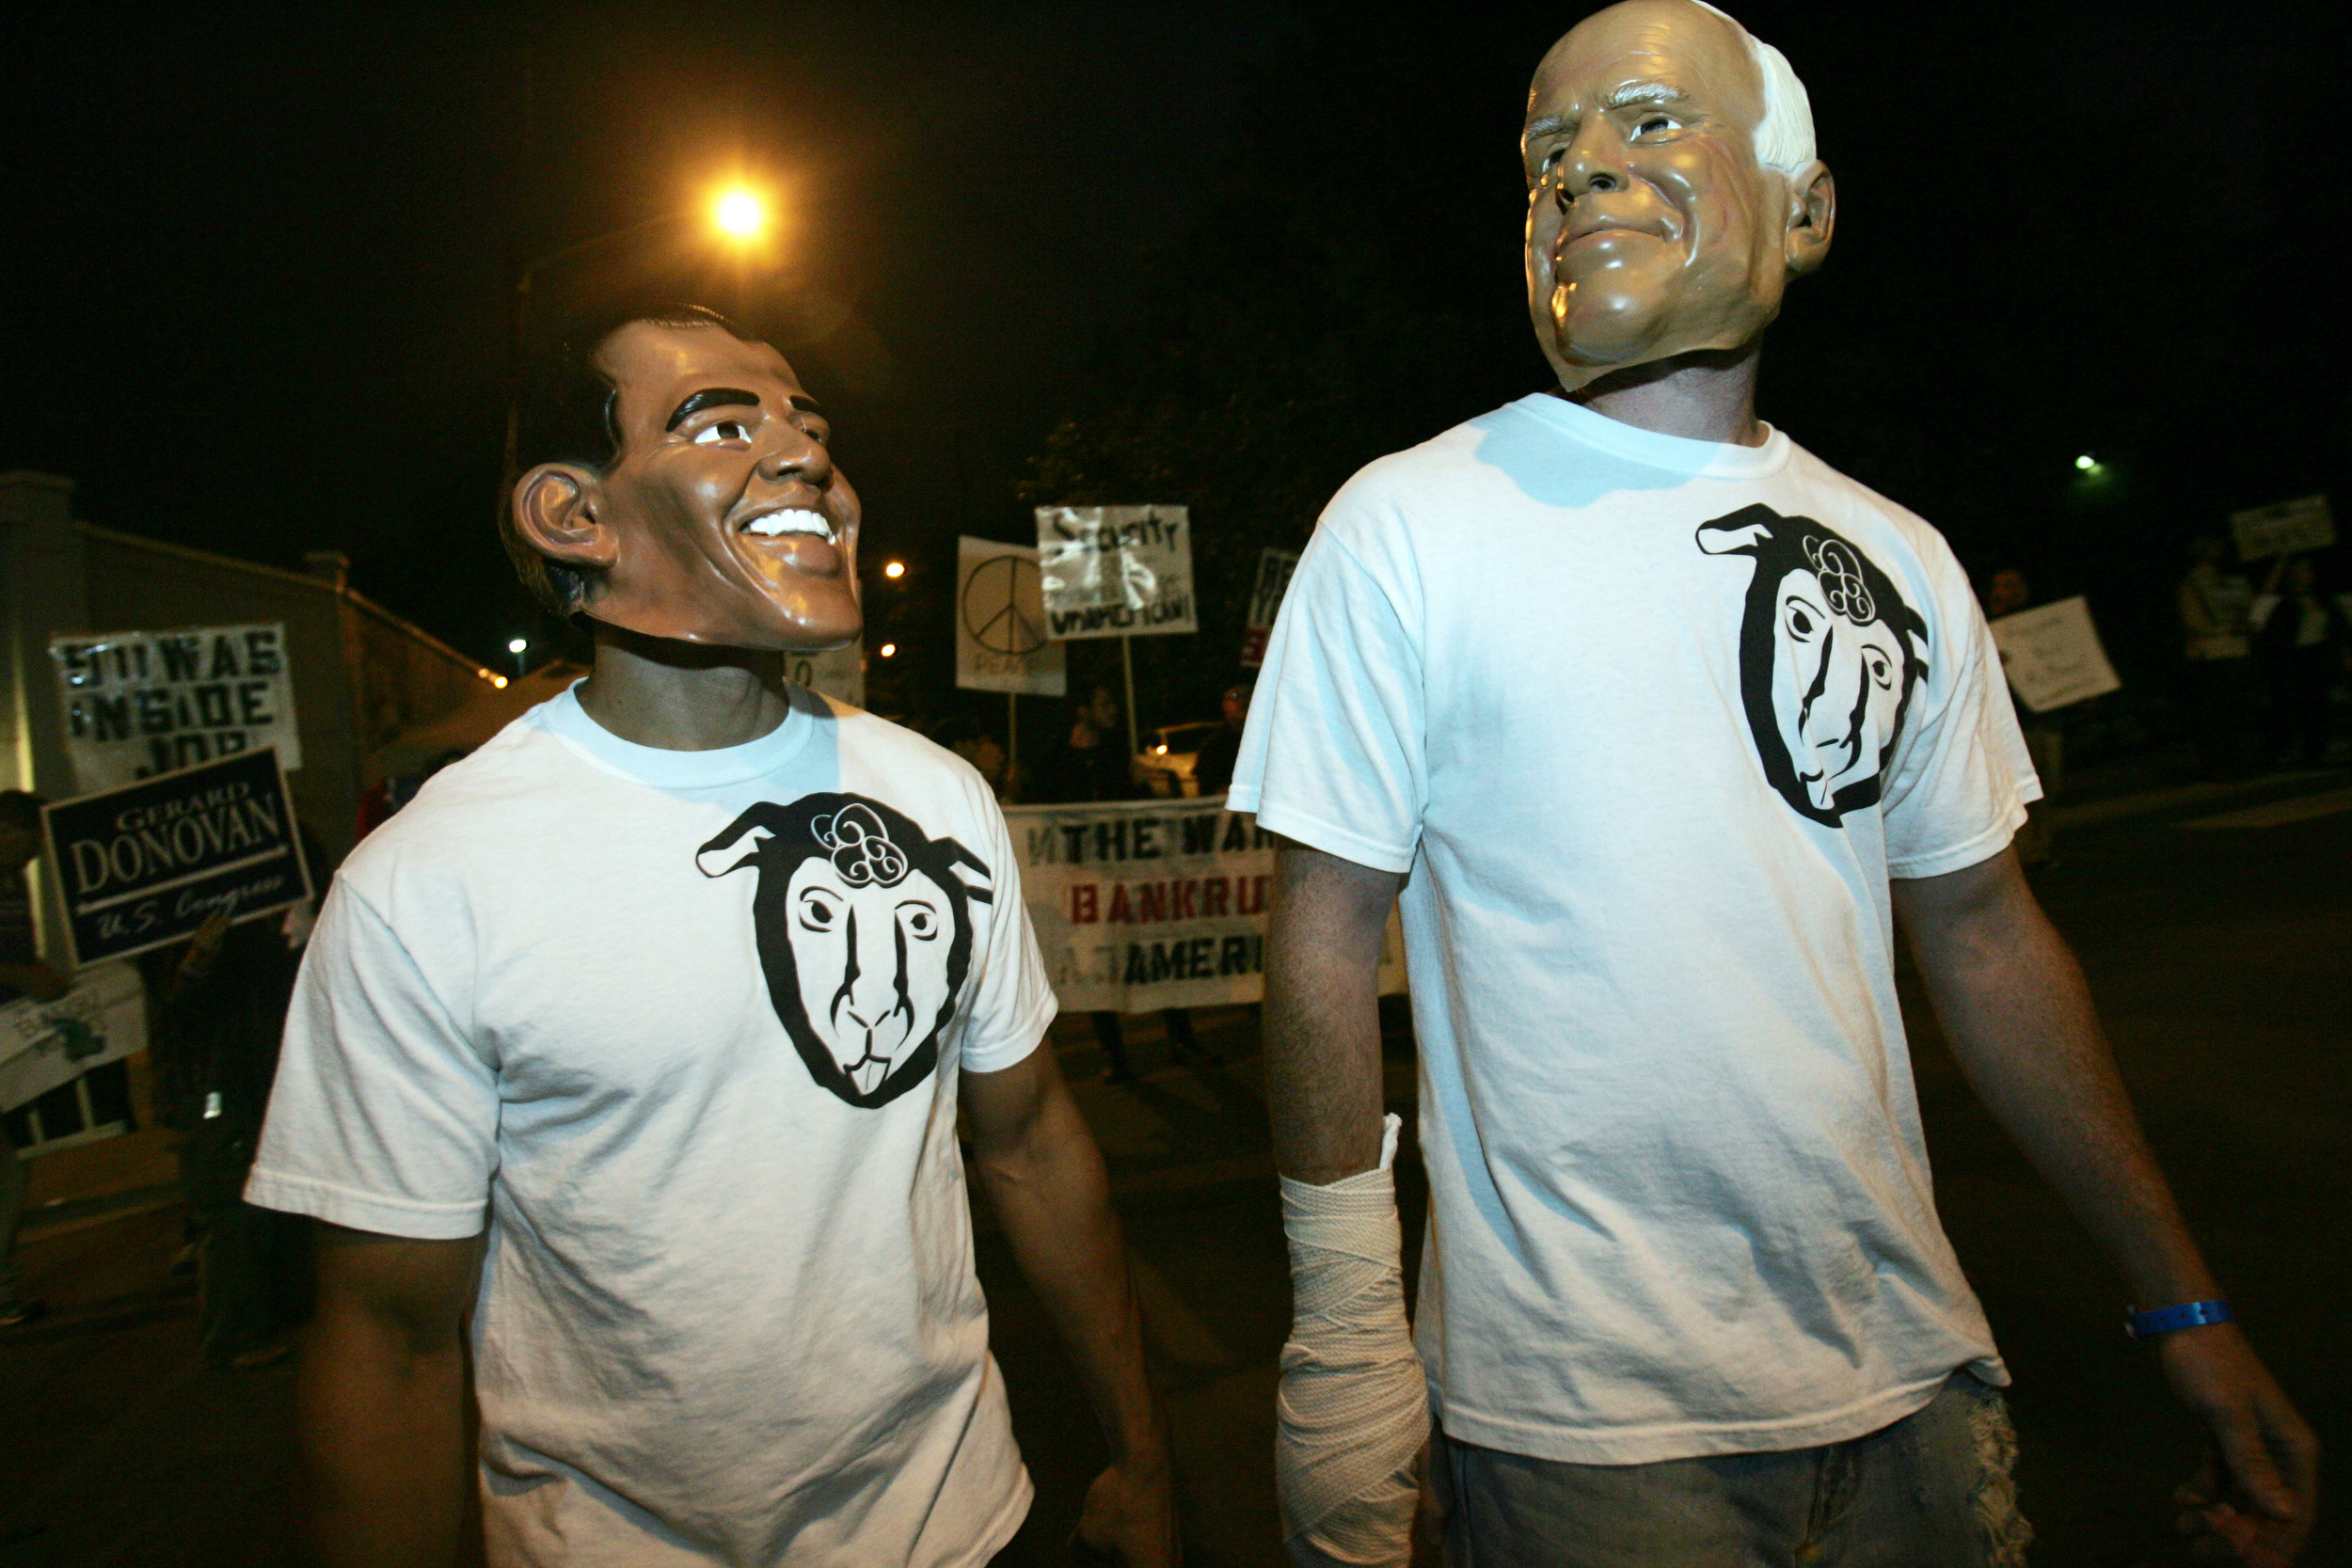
641,1034
1659,727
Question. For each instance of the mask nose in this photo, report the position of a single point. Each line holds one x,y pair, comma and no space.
796,454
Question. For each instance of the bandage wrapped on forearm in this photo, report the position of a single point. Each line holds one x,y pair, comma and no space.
1354,1406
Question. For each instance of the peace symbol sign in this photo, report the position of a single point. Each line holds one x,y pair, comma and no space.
1002,601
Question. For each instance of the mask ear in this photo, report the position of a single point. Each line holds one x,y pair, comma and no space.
1812,218
557,513
733,857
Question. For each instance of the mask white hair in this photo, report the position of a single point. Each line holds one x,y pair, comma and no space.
1784,138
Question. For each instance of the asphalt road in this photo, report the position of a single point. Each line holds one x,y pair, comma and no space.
2214,933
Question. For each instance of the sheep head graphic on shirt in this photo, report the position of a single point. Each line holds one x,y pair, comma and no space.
1829,657
863,930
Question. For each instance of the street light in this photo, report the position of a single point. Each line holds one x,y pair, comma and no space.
889,650
2087,463
895,569
741,214
517,646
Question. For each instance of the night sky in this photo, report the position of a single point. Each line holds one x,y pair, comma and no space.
254,266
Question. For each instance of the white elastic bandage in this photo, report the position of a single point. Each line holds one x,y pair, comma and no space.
1354,1407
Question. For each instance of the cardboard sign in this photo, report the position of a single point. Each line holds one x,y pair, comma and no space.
1001,643
2286,529
1265,602
144,865
1143,904
839,672
142,703
43,1044
2052,656
1116,571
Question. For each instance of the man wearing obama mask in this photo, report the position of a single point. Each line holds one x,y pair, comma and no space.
1661,728
641,1034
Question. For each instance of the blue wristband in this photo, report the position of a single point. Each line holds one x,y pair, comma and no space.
2164,1319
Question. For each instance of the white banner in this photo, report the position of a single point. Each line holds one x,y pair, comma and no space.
1146,904
43,1044
839,672
2302,524
1001,643
2052,656
1116,571
142,703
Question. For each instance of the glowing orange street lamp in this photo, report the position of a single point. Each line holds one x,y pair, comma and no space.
741,215
895,569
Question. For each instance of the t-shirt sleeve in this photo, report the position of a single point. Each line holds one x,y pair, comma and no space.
1013,1000
384,1117
1960,789
1333,753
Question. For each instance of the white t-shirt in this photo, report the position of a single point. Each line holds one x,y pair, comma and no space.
1650,722
685,1028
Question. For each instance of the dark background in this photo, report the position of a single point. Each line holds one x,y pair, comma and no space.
1212,253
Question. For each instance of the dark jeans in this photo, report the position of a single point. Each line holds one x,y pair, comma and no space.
1113,1040
253,1265
1933,1490
2220,694
13,1183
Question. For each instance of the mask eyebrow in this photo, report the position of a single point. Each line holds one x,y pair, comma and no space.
1643,92
711,397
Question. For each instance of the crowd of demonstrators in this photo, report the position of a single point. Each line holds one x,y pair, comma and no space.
2262,666
2218,688
2301,653
1088,764
22,974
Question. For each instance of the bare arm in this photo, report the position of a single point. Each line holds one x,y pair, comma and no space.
1044,1176
2019,1017
383,1399
1323,1013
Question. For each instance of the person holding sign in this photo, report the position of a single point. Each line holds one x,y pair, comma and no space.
22,974
641,1035
1659,726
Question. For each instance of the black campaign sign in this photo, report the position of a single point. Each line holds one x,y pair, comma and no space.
144,865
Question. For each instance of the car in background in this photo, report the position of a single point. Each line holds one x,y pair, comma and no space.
1165,763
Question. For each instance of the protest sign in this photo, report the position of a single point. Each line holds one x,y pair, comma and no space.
142,703
1146,904
2052,656
43,1044
1265,602
1116,571
144,865
839,672
2302,524
1001,643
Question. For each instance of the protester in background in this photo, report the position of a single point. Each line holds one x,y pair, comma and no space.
2216,609
22,974
219,1010
1092,766
980,749
1089,764
1212,766
2006,593
2299,648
